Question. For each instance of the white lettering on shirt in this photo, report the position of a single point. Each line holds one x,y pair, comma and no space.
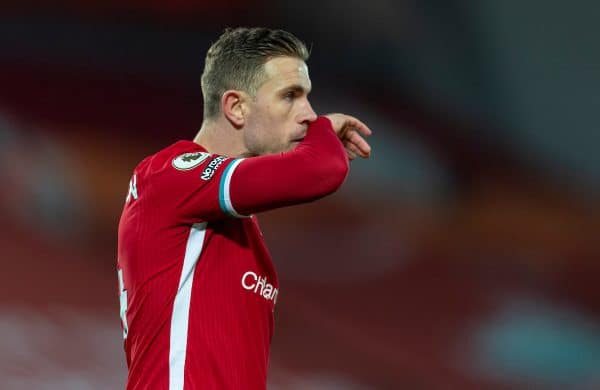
132,193
259,285
212,167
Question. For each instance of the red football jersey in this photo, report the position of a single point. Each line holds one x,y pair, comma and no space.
197,286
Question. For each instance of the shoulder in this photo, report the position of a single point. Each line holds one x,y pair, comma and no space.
185,161
179,157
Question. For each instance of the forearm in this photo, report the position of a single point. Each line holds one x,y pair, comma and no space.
315,168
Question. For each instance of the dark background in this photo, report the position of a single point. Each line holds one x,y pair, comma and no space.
463,255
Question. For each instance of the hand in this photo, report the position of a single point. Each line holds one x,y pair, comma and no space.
351,132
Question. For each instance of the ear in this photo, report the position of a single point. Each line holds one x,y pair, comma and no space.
233,105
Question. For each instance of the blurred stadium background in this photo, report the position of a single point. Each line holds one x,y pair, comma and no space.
463,255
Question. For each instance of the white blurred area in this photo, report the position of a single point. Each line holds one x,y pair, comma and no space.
59,348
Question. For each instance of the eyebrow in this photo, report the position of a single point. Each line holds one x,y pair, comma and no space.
296,88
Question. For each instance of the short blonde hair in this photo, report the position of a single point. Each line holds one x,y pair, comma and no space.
236,59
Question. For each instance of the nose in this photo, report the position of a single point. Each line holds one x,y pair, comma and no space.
308,115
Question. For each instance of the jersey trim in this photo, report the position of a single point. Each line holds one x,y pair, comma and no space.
224,194
181,307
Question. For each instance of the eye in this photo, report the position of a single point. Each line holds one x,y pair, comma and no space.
290,95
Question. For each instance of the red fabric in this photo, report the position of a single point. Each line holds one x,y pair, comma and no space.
317,167
231,310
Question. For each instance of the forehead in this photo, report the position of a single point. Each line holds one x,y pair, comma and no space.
284,71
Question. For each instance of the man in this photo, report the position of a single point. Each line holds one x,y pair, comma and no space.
197,285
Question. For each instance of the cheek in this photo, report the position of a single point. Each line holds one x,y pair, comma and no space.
260,134
270,128
273,124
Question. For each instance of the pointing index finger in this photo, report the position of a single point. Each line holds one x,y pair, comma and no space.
360,126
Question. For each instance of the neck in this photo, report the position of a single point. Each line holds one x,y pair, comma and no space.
220,137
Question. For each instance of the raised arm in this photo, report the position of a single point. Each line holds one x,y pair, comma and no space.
228,187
